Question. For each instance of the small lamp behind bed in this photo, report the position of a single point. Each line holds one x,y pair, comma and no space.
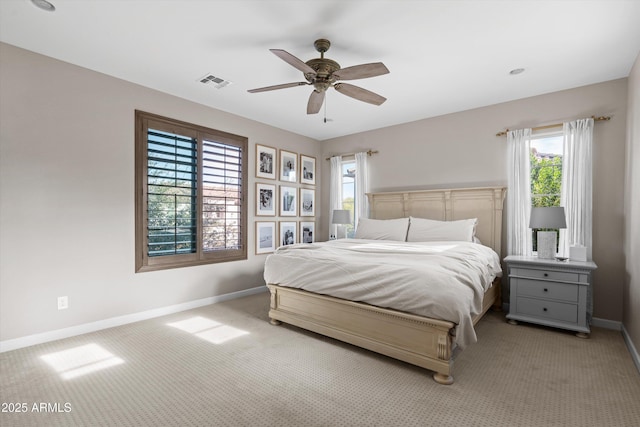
341,217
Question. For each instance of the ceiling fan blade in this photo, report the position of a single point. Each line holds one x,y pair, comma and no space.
315,102
362,71
292,60
359,93
282,86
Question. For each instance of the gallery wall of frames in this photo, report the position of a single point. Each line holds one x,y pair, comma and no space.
285,198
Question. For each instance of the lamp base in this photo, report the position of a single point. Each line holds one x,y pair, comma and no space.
547,244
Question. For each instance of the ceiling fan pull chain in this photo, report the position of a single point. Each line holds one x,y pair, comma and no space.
325,109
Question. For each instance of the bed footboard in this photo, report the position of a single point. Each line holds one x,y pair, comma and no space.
414,339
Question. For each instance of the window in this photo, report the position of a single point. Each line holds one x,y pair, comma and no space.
349,193
190,201
546,172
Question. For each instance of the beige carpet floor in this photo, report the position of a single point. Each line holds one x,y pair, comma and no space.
225,365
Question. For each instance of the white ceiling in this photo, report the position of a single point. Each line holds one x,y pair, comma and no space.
444,56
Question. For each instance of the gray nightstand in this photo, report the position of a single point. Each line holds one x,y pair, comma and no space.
549,292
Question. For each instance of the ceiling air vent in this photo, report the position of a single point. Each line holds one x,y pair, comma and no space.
211,80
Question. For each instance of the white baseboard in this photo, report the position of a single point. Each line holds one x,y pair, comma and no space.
30,340
632,348
606,324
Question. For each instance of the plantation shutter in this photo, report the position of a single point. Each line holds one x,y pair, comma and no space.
222,196
172,162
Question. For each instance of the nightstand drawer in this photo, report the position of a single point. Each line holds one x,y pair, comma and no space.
559,276
548,290
548,309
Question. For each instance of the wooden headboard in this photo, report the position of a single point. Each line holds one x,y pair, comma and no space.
446,205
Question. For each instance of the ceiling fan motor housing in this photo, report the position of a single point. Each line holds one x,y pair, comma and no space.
324,69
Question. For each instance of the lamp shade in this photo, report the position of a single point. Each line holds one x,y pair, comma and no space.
548,217
341,216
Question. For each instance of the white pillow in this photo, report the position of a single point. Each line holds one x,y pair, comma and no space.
428,230
382,229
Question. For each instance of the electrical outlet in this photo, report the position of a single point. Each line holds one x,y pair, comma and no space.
63,303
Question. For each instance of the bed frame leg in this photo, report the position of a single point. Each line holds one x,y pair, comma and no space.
275,322
443,378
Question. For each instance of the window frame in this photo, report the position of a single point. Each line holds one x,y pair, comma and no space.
144,262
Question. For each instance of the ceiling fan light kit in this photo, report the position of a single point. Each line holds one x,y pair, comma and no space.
323,73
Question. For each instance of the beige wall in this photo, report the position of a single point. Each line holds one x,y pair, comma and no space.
461,149
632,212
67,197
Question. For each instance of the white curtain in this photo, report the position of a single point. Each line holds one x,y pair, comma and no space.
362,188
577,182
335,191
519,192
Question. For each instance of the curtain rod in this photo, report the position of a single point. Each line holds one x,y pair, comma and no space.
595,119
370,153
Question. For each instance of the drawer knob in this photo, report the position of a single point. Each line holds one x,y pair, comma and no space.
544,309
546,274
546,290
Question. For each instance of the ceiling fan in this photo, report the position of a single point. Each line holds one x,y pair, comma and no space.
324,73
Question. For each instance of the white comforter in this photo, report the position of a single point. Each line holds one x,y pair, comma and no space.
442,280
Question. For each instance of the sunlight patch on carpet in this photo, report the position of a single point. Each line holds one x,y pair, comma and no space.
208,330
81,360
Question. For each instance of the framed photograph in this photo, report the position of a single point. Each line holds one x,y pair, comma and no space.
307,232
288,201
266,200
307,169
307,202
266,162
265,237
288,166
288,235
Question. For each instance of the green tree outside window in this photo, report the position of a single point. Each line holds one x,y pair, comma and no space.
546,183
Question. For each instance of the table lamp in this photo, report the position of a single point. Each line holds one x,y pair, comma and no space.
341,217
545,218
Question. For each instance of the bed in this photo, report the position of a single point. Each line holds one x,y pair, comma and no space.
421,339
